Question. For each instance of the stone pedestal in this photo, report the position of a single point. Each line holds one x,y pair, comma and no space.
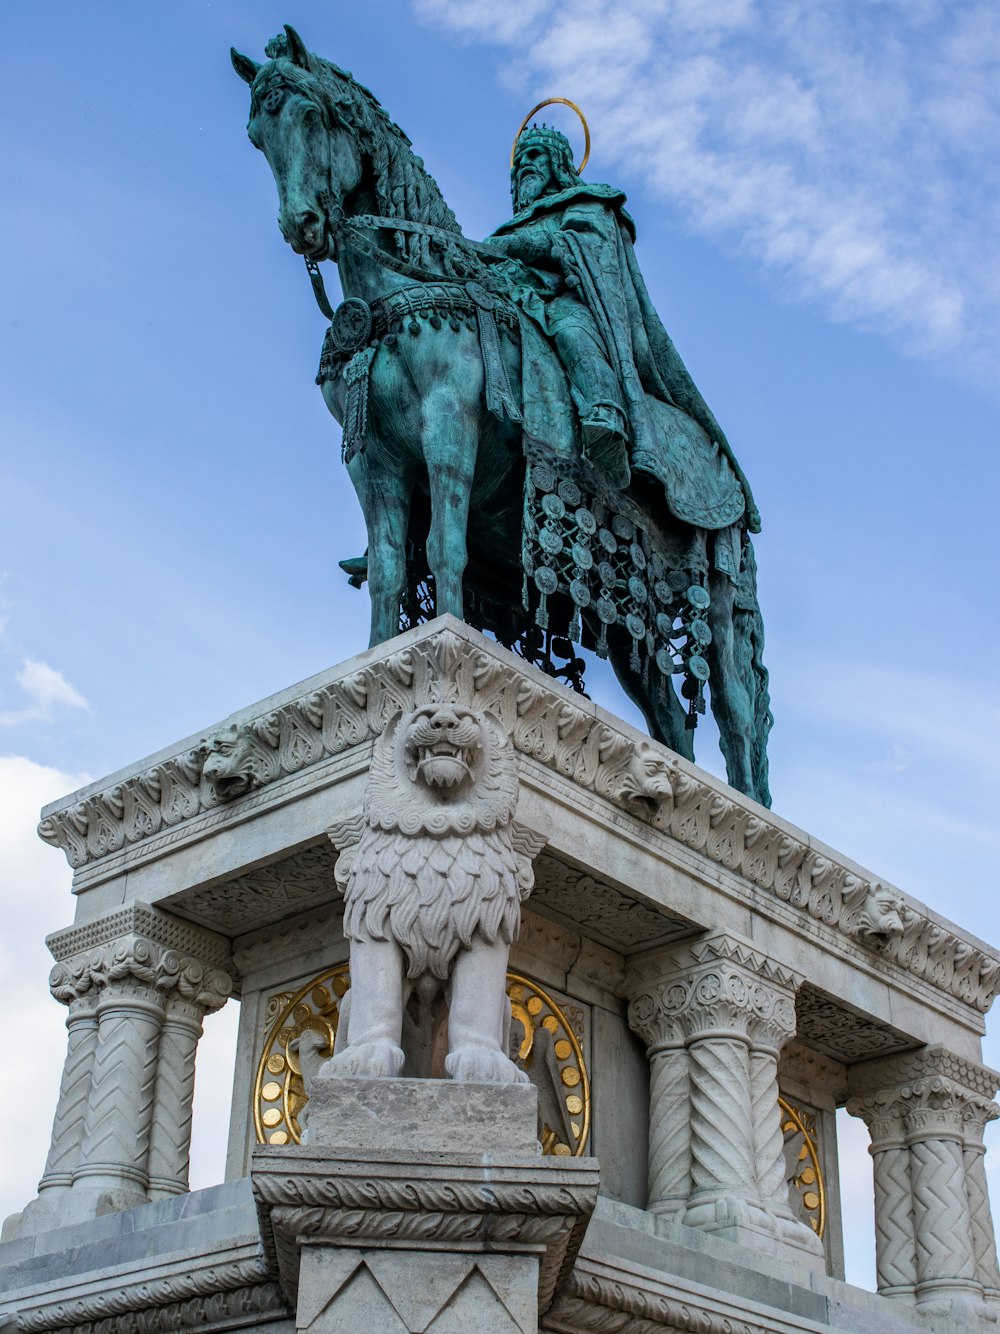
467,1229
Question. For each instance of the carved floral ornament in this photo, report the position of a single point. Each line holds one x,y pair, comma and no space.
554,729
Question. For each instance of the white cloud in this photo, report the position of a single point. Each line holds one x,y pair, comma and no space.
36,900
849,150
47,690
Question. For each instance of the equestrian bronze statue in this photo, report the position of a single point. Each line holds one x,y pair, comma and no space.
529,451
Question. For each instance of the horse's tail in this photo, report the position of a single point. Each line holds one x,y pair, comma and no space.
748,635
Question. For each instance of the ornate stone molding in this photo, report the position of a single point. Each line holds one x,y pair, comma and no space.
593,1302
200,1298
449,662
142,944
710,984
351,1198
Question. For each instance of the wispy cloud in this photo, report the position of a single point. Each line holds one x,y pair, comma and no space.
851,151
46,690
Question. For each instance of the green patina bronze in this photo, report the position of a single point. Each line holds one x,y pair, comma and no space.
529,450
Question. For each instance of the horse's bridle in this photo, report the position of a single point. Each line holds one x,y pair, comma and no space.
359,231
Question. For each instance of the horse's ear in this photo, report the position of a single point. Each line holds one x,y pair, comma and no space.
296,48
243,65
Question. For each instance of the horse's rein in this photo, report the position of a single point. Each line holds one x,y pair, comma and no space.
359,230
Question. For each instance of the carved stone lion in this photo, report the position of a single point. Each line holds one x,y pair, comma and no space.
880,917
232,764
646,783
432,897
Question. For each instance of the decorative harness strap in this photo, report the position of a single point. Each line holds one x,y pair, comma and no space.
357,329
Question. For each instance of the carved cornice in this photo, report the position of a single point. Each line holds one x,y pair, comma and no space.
353,1199
203,1298
447,661
140,944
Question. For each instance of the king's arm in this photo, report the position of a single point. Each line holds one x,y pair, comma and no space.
531,244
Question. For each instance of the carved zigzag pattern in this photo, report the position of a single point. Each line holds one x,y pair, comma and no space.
74,1092
722,1143
170,1135
669,1127
940,1210
895,1259
121,1098
769,1141
983,1243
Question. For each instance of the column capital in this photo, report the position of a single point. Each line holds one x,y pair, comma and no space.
711,984
921,1094
141,945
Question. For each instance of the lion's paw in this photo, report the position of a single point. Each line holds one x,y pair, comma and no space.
368,1060
478,1065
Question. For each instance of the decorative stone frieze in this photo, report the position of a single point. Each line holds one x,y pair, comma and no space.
350,1200
448,662
225,1295
926,1111
138,984
714,1014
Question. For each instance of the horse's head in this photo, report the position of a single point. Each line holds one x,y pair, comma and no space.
314,158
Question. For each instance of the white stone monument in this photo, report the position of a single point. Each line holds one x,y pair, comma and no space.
541,1027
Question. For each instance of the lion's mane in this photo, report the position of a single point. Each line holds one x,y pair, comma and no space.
435,867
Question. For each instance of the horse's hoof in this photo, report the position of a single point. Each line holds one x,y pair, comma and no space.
367,1060
477,1065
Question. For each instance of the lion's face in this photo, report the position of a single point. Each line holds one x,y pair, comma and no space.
881,915
442,747
229,762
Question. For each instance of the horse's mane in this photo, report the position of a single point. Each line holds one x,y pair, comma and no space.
403,186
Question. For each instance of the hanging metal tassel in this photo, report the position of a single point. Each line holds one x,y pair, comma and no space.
356,414
602,642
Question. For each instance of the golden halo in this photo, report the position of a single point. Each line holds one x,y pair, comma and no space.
564,102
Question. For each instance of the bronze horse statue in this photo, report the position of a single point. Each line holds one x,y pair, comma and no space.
422,366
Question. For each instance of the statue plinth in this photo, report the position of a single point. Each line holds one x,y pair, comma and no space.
693,989
468,1218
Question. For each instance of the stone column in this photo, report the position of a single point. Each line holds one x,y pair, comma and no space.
659,1026
984,1247
895,1254
138,983
926,1111
74,1090
199,991
714,1013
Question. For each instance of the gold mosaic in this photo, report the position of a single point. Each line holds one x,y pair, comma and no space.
805,1177
542,1042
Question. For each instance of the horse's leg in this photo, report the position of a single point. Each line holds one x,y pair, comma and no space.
450,442
385,495
732,701
663,712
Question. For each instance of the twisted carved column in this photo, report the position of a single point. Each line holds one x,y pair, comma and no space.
120,1106
714,1014
74,1090
200,991
934,1233
984,1247
138,984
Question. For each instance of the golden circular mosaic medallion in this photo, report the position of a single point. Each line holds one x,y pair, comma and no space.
542,1043
802,1159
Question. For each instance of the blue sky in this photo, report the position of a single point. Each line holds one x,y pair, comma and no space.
817,199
